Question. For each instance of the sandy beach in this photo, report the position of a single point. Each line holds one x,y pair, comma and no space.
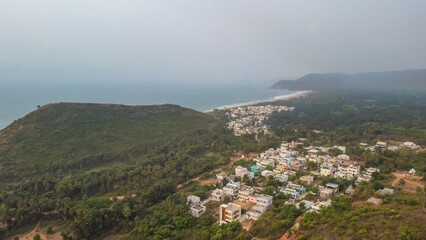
277,98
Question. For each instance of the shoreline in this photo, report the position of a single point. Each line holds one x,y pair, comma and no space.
274,99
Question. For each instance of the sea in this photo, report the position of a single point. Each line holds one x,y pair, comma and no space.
17,100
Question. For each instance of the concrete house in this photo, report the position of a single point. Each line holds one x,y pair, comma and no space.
256,169
267,173
307,179
281,177
229,212
350,170
301,189
255,212
288,191
244,193
264,200
218,195
329,190
326,170
195,207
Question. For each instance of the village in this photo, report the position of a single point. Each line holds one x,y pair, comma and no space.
244,196
250,119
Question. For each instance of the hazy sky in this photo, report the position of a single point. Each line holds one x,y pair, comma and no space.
206,41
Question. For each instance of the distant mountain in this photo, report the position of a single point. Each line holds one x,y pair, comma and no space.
391,80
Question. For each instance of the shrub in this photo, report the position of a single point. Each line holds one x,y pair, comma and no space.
412,201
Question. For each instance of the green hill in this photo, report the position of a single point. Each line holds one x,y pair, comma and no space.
73,135
64,160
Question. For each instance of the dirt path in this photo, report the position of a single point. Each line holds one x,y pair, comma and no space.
32,233
293,233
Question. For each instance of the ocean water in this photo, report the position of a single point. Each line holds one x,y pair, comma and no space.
18,100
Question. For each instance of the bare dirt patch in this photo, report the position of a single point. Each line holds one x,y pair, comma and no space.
41,230
411,182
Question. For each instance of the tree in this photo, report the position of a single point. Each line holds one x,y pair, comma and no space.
49,230
37,237
401,181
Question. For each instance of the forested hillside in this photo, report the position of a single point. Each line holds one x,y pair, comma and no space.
352,117
63,161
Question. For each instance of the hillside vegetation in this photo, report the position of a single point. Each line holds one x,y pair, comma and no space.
63,161
73,136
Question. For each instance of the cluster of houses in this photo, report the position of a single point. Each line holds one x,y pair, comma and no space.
250,119
237,192
383,144
281,164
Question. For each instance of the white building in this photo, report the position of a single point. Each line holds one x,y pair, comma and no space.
293,193
267,173
410,145
281,177
371,170
241,172
343,157
318,205
195,207
191,199
217,195
264,200
197,210
308,204
245,193
326,170
350,170
255,212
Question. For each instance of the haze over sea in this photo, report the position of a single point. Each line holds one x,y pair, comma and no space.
17,100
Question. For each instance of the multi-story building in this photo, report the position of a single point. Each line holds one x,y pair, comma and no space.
349,170
197,210
307,179
217,195
229,212
301,189
231,192
326,170
281,177
264,200
244,193
293,193
371,170
195,207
